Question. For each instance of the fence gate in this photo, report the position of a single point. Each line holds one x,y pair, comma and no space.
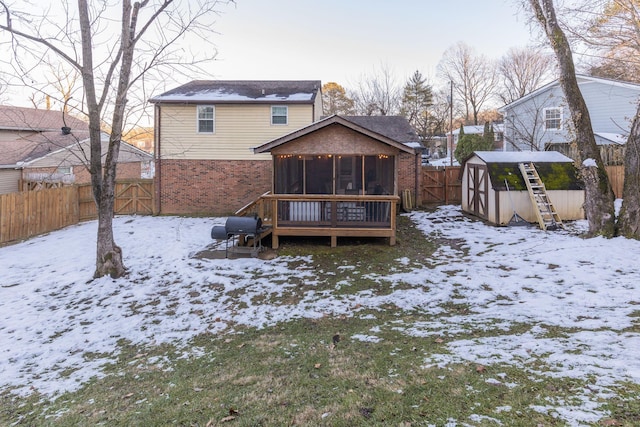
441,185
131,197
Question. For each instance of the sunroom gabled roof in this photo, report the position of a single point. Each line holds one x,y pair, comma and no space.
372,127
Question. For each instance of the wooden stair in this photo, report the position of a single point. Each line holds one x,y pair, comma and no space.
548,218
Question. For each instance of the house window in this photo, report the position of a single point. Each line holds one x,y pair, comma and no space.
279,115
206,118
64,170
552,118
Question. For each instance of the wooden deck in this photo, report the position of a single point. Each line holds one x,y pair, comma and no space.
332,216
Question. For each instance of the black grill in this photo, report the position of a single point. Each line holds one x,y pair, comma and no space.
240,226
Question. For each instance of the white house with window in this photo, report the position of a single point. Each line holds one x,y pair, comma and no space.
541,120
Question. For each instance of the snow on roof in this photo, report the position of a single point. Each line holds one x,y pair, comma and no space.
216,91
613,138
521,156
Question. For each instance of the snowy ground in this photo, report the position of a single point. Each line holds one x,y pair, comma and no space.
52,315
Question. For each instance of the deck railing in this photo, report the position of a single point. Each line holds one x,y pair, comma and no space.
332,215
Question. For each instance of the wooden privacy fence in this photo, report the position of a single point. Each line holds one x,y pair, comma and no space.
131,197
441,185
616,178
29,213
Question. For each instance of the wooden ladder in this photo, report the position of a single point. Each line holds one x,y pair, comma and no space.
547,216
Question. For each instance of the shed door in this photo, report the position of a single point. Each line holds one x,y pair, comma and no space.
478,190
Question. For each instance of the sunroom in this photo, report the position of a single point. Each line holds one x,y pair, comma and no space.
335,178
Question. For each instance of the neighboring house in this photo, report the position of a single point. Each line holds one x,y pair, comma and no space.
204,133
494,189
498,134
341,176
541,120
39,146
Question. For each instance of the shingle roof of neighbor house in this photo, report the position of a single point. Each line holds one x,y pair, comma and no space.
35,134
30,119
37,145
249,91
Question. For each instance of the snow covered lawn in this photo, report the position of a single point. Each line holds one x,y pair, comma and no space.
52,316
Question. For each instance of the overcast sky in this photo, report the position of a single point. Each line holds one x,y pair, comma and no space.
342,40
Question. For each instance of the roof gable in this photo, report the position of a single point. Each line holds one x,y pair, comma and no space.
242,91
351,122
582,79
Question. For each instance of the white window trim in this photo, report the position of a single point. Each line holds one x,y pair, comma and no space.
61,170
544,118
286,115
198,119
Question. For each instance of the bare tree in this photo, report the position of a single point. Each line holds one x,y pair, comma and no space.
523,70
111,59
599,198
377,94
473,76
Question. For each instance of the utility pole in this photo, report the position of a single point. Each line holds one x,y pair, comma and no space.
451,124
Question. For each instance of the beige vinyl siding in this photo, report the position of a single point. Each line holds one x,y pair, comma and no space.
238,128
9,180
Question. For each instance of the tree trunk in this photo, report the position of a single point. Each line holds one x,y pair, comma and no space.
108,254
599,196
629,220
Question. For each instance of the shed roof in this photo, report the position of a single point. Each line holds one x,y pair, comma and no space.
556,170
521,156
244,91
386,129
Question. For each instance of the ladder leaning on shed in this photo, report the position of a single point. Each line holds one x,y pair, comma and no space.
546,213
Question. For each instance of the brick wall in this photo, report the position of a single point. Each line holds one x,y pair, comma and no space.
213,187
407,174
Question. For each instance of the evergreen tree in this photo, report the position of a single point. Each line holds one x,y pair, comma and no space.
488,134
417,98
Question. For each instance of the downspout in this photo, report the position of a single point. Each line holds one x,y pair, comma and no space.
158,177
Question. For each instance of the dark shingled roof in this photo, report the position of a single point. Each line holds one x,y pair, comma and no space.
394,127
392,130
233,91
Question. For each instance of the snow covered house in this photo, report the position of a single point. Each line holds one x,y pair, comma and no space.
204,134
541,120
43,146
493,187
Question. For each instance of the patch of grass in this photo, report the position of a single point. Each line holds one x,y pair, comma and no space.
358,370
295,373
